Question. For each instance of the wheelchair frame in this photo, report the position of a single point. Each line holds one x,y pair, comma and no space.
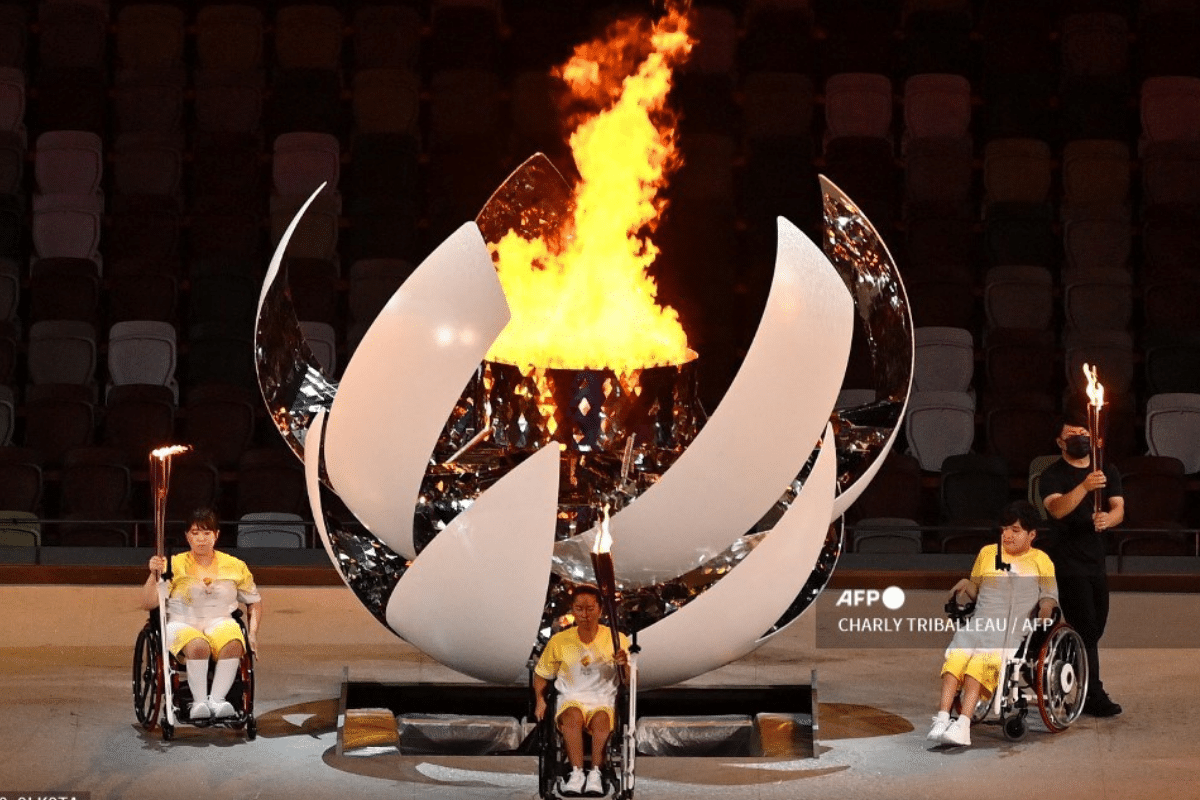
620,751
161,694
1048,668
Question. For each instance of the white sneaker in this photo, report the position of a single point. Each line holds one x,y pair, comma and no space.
958,732
200,710
594,787
573,785
221,709
940,723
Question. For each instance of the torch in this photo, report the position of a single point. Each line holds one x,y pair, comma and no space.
1095,393
606,580
160,480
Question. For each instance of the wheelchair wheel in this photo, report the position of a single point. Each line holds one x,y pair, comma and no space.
1062,677
548,758
1015,727
147,676
246,673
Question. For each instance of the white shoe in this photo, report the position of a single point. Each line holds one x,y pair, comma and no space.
958,732
573,785
221,709
594,786
940,723
200,710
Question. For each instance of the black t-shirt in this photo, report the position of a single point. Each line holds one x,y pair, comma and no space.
1075,546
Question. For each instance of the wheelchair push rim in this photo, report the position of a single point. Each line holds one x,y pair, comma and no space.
147,678
1062,678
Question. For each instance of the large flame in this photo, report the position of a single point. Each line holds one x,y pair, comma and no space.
1095,389
586,300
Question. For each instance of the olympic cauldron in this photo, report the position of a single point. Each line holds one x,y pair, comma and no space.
475,487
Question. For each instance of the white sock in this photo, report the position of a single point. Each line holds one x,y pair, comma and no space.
197,678
223,677
943,716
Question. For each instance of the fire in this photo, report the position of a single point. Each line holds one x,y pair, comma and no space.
167,452
603,543
1095,389
586,301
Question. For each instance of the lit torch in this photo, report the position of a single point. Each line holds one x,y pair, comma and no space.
606,579
1095,393
160,481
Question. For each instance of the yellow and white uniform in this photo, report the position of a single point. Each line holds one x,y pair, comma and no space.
1005,600
584,674
200,608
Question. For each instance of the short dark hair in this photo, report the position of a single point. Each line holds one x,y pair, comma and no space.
586,588
1074,416
1023,512
204,518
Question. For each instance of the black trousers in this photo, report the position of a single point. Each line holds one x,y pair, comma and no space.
1084,602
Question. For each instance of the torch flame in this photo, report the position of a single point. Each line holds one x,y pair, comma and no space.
1095,389
586,300
172,450
604,538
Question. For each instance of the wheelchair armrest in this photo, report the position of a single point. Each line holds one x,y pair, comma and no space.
959,613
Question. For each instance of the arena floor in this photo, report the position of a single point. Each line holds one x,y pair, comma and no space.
67,724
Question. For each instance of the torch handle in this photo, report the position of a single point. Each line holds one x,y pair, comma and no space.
1097,453
616,643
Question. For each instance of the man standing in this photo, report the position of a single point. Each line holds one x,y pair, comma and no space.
1080,546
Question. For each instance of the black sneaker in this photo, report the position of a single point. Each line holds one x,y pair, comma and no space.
1101,706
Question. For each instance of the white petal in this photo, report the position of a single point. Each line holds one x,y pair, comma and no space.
404,380
474,597
755,443
726,621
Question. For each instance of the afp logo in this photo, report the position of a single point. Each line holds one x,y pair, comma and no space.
892,597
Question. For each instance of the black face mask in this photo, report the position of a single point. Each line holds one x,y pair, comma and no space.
1078,446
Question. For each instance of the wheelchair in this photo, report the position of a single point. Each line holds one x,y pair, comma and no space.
162,697
1048,669
620,753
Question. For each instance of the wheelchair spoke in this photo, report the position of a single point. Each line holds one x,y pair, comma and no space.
147,688
1061,678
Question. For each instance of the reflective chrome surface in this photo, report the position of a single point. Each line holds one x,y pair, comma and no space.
535,201
293,385
487,437
854,247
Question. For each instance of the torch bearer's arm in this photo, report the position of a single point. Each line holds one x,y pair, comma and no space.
1114,516
1061,504
158,565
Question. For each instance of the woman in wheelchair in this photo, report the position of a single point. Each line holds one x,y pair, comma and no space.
1007,584
206,586
582,663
